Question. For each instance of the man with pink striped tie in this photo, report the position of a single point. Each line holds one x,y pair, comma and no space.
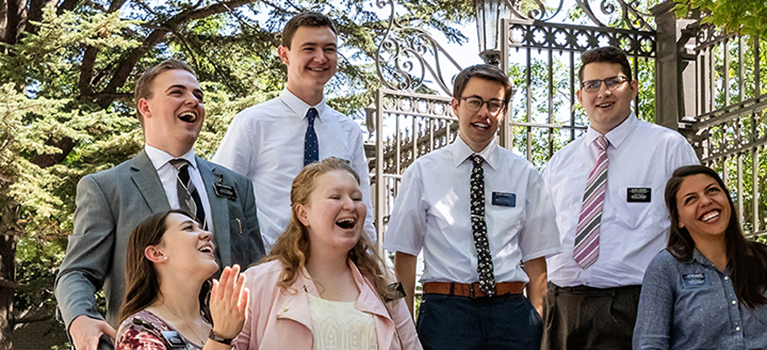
607,190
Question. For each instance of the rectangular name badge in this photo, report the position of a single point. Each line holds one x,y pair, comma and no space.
505,199
173,339
693,280
638,195
225,191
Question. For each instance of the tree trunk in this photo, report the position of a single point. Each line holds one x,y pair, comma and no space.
8,273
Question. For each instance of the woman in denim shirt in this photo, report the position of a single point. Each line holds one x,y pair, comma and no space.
707,289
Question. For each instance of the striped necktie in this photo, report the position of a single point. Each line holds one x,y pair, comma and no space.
188,196
586,250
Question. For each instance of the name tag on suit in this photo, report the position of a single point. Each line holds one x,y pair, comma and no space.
505,199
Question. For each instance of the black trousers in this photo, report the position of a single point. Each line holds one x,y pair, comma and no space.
589,318
506,322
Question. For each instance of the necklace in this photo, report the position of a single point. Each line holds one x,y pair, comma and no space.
201,340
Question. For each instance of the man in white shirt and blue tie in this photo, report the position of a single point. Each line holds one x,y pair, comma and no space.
607,188
271,142
477,211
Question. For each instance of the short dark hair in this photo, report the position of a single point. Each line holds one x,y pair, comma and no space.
487,72
144,83
607,54
305,19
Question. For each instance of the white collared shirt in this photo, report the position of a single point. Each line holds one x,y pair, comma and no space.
167,173
432,211
642,156
265,143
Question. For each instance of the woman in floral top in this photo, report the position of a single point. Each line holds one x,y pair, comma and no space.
169,265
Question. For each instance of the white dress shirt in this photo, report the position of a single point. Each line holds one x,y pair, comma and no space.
432,211
641,155
265,143
161,161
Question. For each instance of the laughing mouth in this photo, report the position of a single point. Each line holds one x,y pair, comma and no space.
318,69
346,223
188,117
208,249
710,216
480,125
606,105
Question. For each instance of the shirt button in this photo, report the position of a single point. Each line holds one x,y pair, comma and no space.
737,329
285,309
726,278
586,284
734,302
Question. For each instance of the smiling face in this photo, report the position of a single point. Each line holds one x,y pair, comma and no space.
311,61
477,129
606,108
703,208
187,247
174,113
335,214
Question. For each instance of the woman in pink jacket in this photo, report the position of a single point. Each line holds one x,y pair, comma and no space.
323,286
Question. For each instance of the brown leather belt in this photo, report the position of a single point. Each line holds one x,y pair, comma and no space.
471,290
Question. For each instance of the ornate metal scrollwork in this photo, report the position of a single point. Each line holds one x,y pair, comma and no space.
407,53
612,13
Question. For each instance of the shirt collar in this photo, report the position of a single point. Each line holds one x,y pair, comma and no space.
703,260
300,107
461,151
617,135
159,157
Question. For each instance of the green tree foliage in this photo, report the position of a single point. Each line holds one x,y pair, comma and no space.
741,16
68,68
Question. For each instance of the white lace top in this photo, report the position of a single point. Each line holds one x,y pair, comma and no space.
339,326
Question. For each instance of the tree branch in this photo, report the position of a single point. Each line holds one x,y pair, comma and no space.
159,35
32,318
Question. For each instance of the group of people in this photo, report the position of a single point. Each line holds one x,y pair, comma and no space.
589,255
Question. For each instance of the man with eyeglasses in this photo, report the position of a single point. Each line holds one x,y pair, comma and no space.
477,211
607,188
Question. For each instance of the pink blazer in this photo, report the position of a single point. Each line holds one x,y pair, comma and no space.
282,320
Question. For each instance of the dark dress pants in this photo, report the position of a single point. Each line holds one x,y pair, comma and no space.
589,318
461,323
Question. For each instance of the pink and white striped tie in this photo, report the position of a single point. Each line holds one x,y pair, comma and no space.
586,250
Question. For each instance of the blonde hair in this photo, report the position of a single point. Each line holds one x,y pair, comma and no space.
292,247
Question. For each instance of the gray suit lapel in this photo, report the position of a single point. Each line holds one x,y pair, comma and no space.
219,208
148,183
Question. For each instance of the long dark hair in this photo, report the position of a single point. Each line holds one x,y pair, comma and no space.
140,274
748,260
292,247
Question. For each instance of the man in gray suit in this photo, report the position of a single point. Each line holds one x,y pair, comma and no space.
165,175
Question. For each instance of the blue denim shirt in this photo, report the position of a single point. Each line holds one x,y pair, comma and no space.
692,305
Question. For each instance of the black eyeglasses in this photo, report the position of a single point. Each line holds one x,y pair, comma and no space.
611,83
474,104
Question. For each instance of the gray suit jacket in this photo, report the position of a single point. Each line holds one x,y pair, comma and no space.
111,203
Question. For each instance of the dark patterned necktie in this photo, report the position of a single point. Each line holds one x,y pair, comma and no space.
479,227
586,249
188,196
311,147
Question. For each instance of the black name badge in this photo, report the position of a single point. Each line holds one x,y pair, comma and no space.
505,199
638,195
173,339
225,191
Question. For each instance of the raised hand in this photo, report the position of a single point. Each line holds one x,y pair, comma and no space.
229,302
